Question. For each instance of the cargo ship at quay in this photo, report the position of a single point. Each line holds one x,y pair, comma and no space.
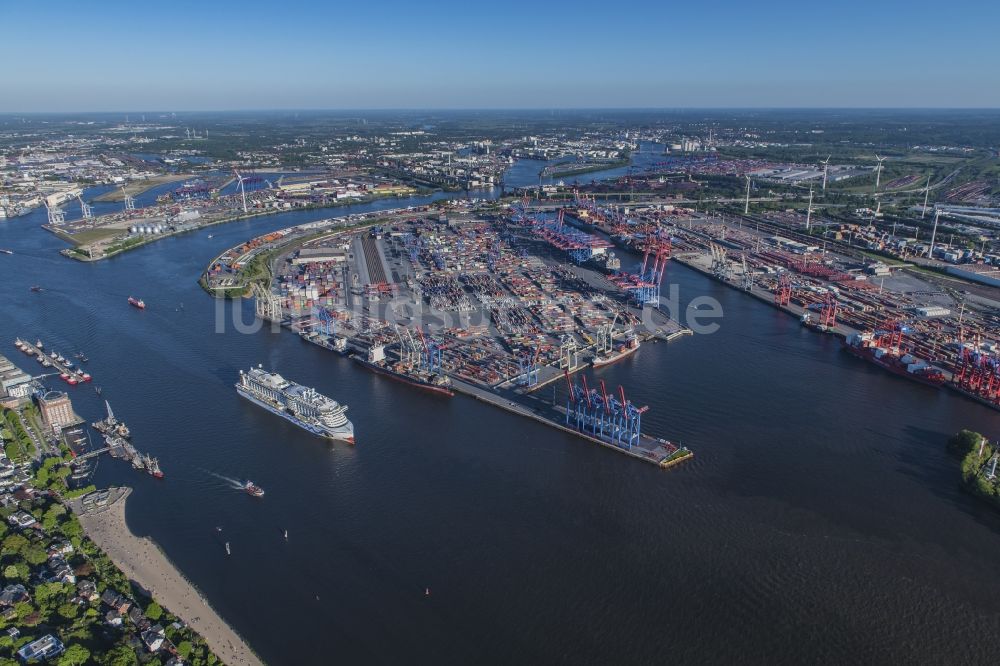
303,406
866,346
433,382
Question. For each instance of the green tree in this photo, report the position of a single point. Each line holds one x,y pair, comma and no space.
68,610
154,611
16,572
120,656
36,555
184,649
964,442
75,655
13,544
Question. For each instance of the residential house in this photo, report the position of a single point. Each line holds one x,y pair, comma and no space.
14,594
154,637
22,519
117,602
46,647
87,589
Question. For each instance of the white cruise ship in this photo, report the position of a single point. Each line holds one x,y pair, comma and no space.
301,405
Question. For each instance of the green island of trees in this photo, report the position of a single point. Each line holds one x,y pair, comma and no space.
980,473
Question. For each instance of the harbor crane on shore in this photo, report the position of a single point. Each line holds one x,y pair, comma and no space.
605,336
85,209
569,357
610,418
409,351
783,293
721,268
527,362
129,201
55,214
267,306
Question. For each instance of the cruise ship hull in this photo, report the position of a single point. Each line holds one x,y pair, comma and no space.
344,433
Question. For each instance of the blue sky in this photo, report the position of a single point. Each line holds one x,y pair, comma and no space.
76,56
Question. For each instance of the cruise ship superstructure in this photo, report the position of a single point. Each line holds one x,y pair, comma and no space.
301,405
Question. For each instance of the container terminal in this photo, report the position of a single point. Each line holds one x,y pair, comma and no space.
913,322
494,303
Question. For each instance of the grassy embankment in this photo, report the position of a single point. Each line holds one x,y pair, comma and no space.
137,187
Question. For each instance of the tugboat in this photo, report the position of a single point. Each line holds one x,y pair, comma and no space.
136,302
253,489
36,289
153,467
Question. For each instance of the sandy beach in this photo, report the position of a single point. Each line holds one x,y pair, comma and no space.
143,562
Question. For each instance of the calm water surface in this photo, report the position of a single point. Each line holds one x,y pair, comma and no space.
820,522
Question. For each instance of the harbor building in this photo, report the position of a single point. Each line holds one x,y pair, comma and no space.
15,384
57,410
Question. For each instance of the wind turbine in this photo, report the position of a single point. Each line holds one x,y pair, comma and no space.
746,207
243,190
930,251
878,170
809,210
927,193
826,168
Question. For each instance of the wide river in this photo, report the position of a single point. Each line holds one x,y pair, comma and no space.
821,521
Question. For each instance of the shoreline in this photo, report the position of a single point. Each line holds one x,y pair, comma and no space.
71,252
137,187
147,566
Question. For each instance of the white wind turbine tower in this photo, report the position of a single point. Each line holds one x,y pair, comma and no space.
243,191
927,193
826,169
809,211
746,207
878,171
930,251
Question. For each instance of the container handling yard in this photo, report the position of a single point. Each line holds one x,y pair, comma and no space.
493,303
913,322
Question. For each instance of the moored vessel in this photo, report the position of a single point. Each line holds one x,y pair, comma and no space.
869,346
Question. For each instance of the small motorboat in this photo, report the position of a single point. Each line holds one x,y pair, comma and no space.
253,489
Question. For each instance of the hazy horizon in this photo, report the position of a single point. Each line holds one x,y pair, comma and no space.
585,55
